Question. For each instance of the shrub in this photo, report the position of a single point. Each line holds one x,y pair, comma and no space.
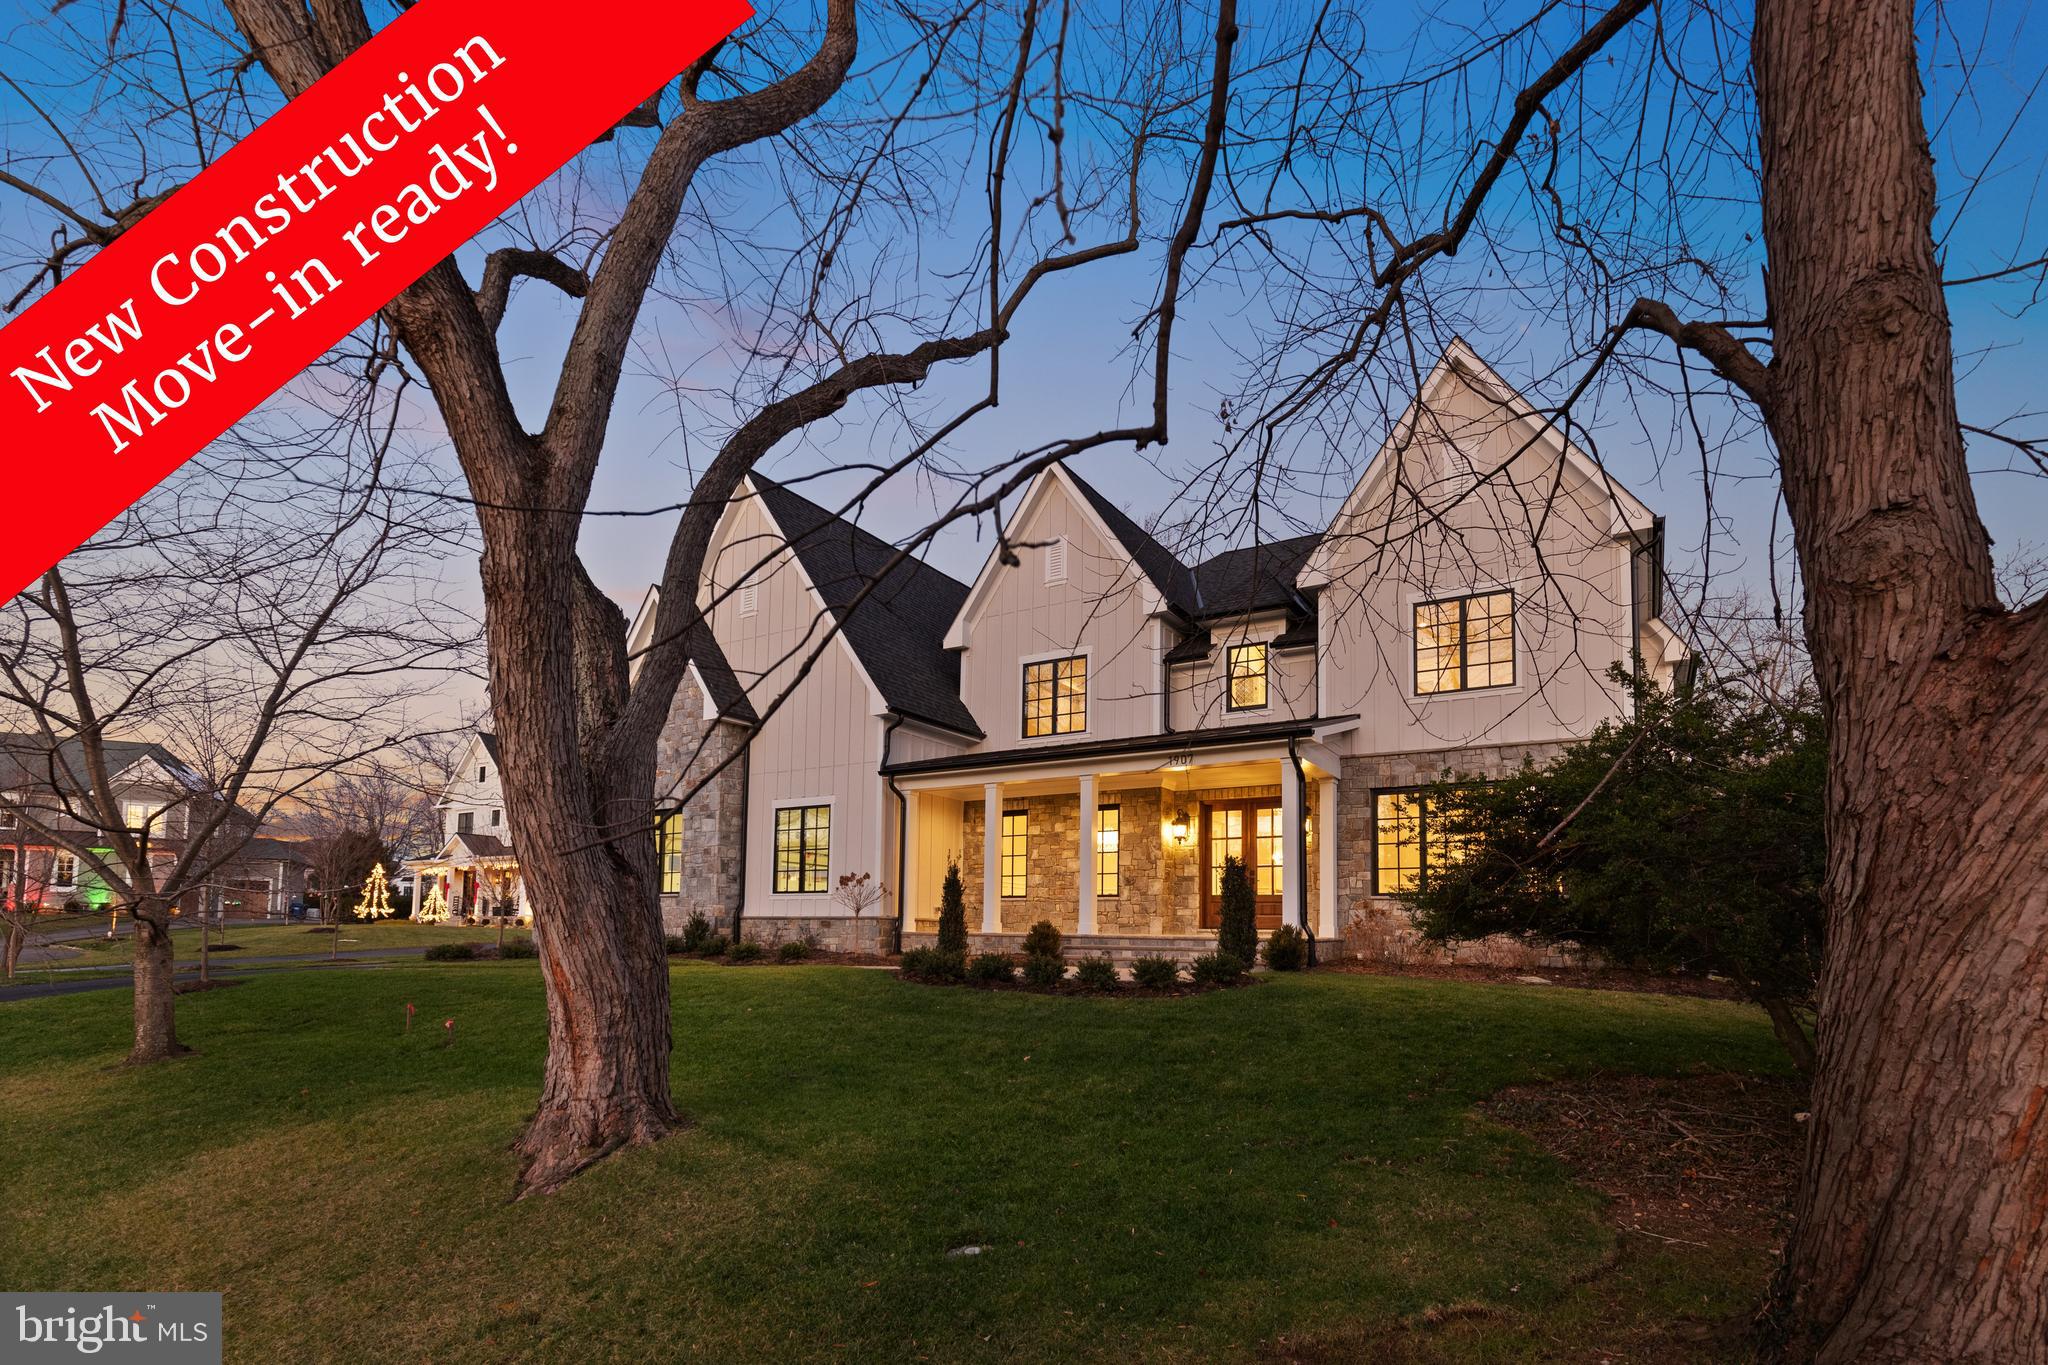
934,964
677,944
715,946
1043,940
1238,933
992,967
953,913
452,952
1042,969
746,950
796,950
1287,949
695,931
519,947
1217,969
1096,974
1156,973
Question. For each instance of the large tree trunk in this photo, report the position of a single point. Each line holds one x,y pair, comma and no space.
156,1032
583,826
1920,1220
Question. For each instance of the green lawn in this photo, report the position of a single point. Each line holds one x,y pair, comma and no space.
1290,1171
275,940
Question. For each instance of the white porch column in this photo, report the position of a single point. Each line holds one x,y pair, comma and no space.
1292,882
1086,854
909,897
992,857
1326,858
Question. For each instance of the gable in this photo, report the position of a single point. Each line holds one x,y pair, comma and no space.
1466,422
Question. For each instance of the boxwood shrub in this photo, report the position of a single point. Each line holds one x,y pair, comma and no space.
1155,973
992,967
1217,969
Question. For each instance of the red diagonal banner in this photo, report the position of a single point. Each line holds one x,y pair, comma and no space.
244,277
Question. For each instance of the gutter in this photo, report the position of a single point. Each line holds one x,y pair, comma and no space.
739,905
902,823
1301,842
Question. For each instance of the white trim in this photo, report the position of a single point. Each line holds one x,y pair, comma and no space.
959,632
1086,653
776,805
1460,362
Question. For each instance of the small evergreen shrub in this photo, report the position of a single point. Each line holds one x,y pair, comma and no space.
1217,969
1156,973
1042,969
992,967
695,930
452,952
1287,949
746,950
934,964
796,950
1043,940
1238,931
715,946
519,947
1096,974
677,945
953,913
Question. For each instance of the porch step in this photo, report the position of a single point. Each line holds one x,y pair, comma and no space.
1122,949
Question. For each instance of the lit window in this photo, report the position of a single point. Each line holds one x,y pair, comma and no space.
803,849
64,870
1411,839
669,839
1465,643
1056,697
1016,854
1108,851
1247,677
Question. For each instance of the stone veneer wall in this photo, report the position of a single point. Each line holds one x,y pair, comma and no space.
1160,886
1379,927
714,819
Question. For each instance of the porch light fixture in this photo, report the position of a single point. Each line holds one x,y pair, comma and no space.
1180,827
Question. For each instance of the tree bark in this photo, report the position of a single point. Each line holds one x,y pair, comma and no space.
1919,1234
156,1032
584,829
1790,1032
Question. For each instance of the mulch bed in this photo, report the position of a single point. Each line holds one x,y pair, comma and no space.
1697,1160
1576,978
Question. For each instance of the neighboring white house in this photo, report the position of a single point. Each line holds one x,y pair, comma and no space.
1090,729
474,870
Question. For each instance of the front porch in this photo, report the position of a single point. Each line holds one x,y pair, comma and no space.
1122,847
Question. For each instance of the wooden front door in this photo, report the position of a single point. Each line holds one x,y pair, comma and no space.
1250,831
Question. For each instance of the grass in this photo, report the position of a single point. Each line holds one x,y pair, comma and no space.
1291,1171
278,940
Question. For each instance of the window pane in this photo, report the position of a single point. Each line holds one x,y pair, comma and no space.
670,836
1108,851
1226,840
817,846
1398,842
1072,702
1266,878
1016,853
1247,677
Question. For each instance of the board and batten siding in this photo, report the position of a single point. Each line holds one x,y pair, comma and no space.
1100,610
825,742
1571,623
1200,701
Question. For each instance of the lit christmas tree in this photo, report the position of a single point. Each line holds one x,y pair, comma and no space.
376,901
434,909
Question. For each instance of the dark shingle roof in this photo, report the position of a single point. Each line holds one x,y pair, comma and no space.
26,760
1255,578
715,669
490,747
898,630
1175,583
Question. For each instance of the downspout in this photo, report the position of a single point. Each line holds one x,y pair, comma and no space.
739,904
902,823
1301,842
